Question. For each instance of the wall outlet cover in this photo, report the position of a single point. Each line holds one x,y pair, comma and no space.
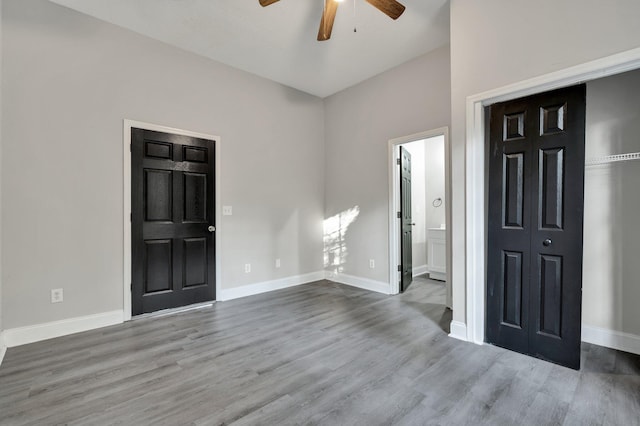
57,295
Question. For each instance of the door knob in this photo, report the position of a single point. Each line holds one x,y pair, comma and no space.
412,224
211,228
547,242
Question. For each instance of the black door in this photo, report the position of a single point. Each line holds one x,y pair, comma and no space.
172,199
536,197
406,224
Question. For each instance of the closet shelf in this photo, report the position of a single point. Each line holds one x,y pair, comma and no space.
612,158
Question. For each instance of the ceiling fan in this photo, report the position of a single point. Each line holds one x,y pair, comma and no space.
391,8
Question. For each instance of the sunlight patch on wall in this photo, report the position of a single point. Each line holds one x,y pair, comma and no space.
335,230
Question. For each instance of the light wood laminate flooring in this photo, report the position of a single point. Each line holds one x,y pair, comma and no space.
320,353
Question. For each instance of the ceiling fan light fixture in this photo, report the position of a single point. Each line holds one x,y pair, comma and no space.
392,8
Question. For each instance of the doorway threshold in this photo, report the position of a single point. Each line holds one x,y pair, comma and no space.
173,311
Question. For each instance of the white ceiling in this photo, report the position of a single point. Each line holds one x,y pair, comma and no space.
279,41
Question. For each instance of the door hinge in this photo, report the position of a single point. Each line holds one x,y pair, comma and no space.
399,215
130,149
399,268
130,217
398,161
131,286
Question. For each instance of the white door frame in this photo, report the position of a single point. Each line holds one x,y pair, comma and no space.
476,213
394,205
126,162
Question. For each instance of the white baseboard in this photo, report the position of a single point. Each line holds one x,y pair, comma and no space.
35,333
3,347
611,339
438,276
420,270
458,331
598,336
364,283
263,287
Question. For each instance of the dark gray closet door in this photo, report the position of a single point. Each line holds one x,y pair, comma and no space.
536,197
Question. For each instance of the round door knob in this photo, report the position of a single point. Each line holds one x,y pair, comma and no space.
211,228
412,224
547,242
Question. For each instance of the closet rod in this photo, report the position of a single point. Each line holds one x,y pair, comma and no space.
612,158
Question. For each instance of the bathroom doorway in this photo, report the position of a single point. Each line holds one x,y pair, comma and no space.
429,214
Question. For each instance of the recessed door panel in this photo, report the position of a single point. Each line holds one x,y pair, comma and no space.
550,284
513,126
512,302
195,154
551,188
195,197
513,191
158,273
553,119
158,195
195,261
154,149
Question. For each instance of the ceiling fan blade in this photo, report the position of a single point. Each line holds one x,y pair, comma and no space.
264,3
328,16
391,8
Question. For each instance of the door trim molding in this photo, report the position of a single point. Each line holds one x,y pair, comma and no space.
458,330
394,204
126,211
475,238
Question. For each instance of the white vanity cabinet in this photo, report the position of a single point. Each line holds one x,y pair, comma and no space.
437,253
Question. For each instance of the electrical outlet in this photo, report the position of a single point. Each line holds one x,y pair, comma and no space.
227,210
277,263
247,268
372,263
57,295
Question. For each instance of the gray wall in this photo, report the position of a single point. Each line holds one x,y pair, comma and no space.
497,42
360,121
418,197
435,177
611,290
69,81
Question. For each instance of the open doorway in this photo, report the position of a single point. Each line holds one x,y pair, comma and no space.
423,218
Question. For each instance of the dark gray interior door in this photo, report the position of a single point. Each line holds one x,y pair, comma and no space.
173,212
536,198
406,223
